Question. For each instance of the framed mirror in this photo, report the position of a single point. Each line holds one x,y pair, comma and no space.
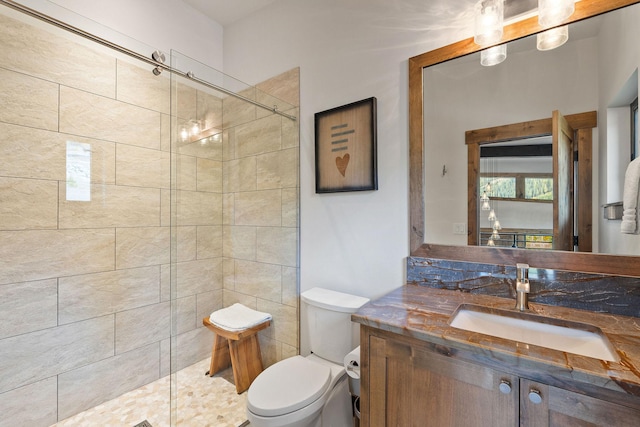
424,181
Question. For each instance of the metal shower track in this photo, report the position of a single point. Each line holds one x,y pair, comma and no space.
158,65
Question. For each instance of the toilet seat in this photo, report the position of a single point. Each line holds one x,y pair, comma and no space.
288,386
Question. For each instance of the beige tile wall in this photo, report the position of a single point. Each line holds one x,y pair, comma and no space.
260,218
86,299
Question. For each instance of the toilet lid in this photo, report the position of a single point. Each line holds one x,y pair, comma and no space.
288,386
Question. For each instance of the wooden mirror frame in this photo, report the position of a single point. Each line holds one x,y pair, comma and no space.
574,261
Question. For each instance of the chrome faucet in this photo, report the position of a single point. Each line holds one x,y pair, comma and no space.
522,287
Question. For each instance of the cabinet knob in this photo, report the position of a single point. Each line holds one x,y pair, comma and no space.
505,387
534,396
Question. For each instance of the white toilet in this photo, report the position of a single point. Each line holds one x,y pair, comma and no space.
311,391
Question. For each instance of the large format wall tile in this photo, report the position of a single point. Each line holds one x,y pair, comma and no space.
284,86
186,314
240,242
39,154
28,204
53,351
290,197
91,295
240,175
207,303
198,208
28,101
142,167
194,277
43,404
24,48
236,111
259,136
209,242
141,326
111,206
277,245
137,85
93,116
209,110
33,255
291,131
261,208
28,307
278,169
142,246
209,175
285,321
193,346
185,173
259,279
86,387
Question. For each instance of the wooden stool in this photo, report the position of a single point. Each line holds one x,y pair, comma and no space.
242,352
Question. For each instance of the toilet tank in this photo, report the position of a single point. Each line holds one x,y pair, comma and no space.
328,322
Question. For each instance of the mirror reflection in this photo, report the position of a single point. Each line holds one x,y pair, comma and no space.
595,70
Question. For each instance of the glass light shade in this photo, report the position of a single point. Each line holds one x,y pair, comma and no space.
486,206
489,17
495,235
554,12
492,215
484,197
496,225
493,55
553,38
490,242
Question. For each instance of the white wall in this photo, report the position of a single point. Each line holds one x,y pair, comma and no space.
354,242
144,25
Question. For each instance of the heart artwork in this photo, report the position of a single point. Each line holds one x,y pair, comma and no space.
341,163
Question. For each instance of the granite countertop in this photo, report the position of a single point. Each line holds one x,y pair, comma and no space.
422,312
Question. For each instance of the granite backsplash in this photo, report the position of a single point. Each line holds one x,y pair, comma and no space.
586,291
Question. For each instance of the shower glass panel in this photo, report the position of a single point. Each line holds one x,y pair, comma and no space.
84,229
132,206
234,216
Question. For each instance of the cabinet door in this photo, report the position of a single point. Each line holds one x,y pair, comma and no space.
411,386
547,406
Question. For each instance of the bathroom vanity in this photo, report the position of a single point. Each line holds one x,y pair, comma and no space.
418,370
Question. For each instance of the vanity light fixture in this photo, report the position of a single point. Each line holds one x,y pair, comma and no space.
489,17
554,12
552,38
493,55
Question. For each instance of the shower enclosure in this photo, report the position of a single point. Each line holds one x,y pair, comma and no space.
136,198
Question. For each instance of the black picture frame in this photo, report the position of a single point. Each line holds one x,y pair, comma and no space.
346,147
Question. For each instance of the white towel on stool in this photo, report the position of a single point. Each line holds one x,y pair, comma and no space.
630,196
237,317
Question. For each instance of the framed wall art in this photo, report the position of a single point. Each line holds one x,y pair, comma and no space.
346,139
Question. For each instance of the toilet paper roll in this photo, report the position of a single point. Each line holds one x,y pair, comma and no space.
352,363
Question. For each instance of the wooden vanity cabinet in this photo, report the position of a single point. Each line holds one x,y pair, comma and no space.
409,382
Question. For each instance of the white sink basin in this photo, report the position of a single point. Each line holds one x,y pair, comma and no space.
556,334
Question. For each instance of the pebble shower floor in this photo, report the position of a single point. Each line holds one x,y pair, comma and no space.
203,401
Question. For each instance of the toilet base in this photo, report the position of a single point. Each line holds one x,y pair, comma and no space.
336,411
